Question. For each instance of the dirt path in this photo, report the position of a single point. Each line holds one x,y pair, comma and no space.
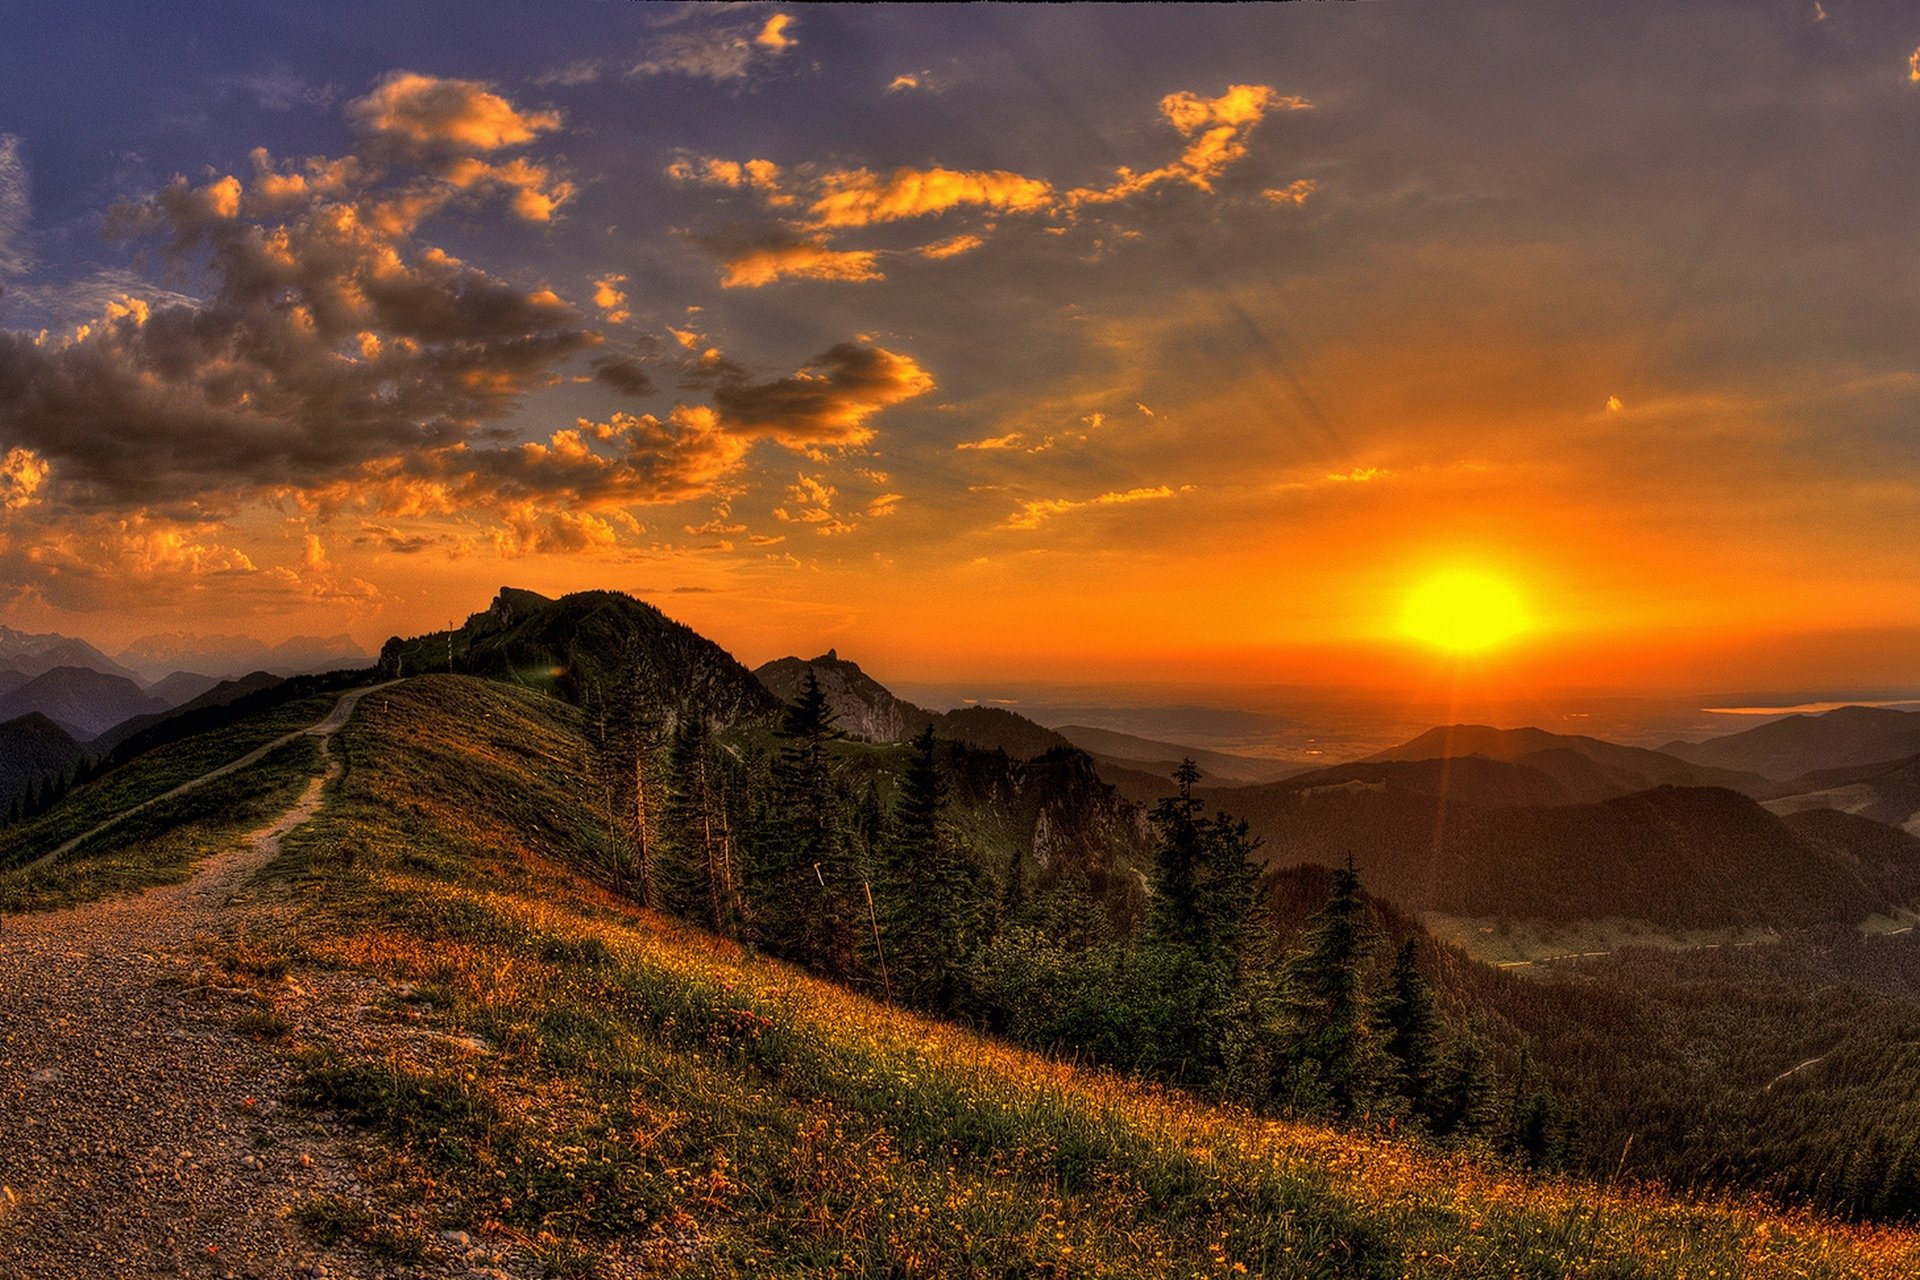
325,728
140,1133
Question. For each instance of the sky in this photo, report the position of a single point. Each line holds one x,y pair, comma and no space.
1061,343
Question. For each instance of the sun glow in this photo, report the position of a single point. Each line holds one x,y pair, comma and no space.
1463,612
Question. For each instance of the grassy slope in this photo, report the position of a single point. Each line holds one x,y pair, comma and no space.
162,844
646,1094
152,774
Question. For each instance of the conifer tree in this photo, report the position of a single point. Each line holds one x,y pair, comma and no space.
805,882
1332,1051
931,888
695,866
1411,1026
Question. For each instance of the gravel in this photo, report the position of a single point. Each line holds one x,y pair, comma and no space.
141,1135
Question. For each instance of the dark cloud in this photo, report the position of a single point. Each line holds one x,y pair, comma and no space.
623,374
828,403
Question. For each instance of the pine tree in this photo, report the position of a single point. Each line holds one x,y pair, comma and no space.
1204,964
805,884
1333,1055
624,736
1175,915
694,866
1411,1026
931,888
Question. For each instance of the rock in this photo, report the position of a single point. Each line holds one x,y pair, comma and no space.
458,1239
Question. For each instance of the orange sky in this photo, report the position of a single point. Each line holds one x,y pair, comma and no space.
1005,344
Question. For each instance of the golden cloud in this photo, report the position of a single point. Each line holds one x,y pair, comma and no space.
798,260
427,116
859,198
1036,512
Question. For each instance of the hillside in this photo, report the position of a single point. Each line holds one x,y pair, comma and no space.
1161,758
589,640
1801,744
221,694
90,701
33,749
181,687
587,1086
1676,856
1589,766
1887,792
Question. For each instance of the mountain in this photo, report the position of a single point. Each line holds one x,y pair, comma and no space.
1465,779
585,642
230,655
1589,767
864,707
1887,792
88,700
997,729
181,686
221,694
33,655
868,709
33,748
1162,758
1795,745
1679,857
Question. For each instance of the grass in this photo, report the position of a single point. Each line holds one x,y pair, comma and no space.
160,845
152,774
606,1092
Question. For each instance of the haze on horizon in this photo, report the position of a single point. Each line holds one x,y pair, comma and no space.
1060,344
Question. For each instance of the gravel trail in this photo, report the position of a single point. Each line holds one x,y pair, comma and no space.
142,1134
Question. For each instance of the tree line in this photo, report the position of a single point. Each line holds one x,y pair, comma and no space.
789,851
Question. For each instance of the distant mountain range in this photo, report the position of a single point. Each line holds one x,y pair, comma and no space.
82,701
1802,744
223,656
32,655
1139,768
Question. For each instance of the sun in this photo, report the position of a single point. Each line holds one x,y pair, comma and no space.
1463,612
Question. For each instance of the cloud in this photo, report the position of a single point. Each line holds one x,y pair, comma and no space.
952,248
1012,440
331,360
611,299
623,374
811,499
16,207
277,88
22,472
884,505
1913,66
425,117
719,51
1294,193
902,83
709,171
837,201
1036,512
784,258
859,198
830,402
774,35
